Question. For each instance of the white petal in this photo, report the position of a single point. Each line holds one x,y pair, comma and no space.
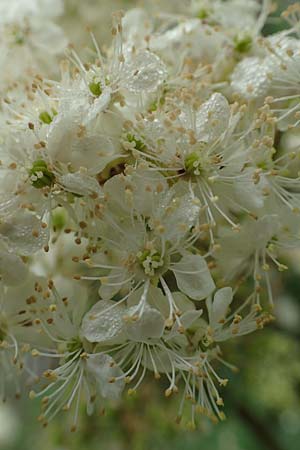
113,284
103,323
99,105
23,233
155,298
213,118
150,325
193,277
103,369
12,269
247,193
161,359
250,79
183,303
79,183
145,72
189,317
149,188
222,299
263,230
178,211
136,26
186,321
50,38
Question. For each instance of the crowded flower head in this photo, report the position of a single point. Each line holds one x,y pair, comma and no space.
149,196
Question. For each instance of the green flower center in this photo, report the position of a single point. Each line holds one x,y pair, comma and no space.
243,44
203,14
19,39
59,219
40,175
192,163
150,261
74,346
45,117
138,144
95,89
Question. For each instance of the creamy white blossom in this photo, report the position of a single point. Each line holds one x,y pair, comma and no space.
148,196
30,38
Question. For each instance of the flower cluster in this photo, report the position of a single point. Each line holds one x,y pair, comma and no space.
148,198
29,39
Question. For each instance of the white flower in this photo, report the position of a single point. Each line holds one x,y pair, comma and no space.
15,329
79,372
223,326
128,75
272,77
234,15
144,343
28,37
18,10
253,250
159,228
208,147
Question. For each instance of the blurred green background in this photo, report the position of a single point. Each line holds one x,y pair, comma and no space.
262,401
